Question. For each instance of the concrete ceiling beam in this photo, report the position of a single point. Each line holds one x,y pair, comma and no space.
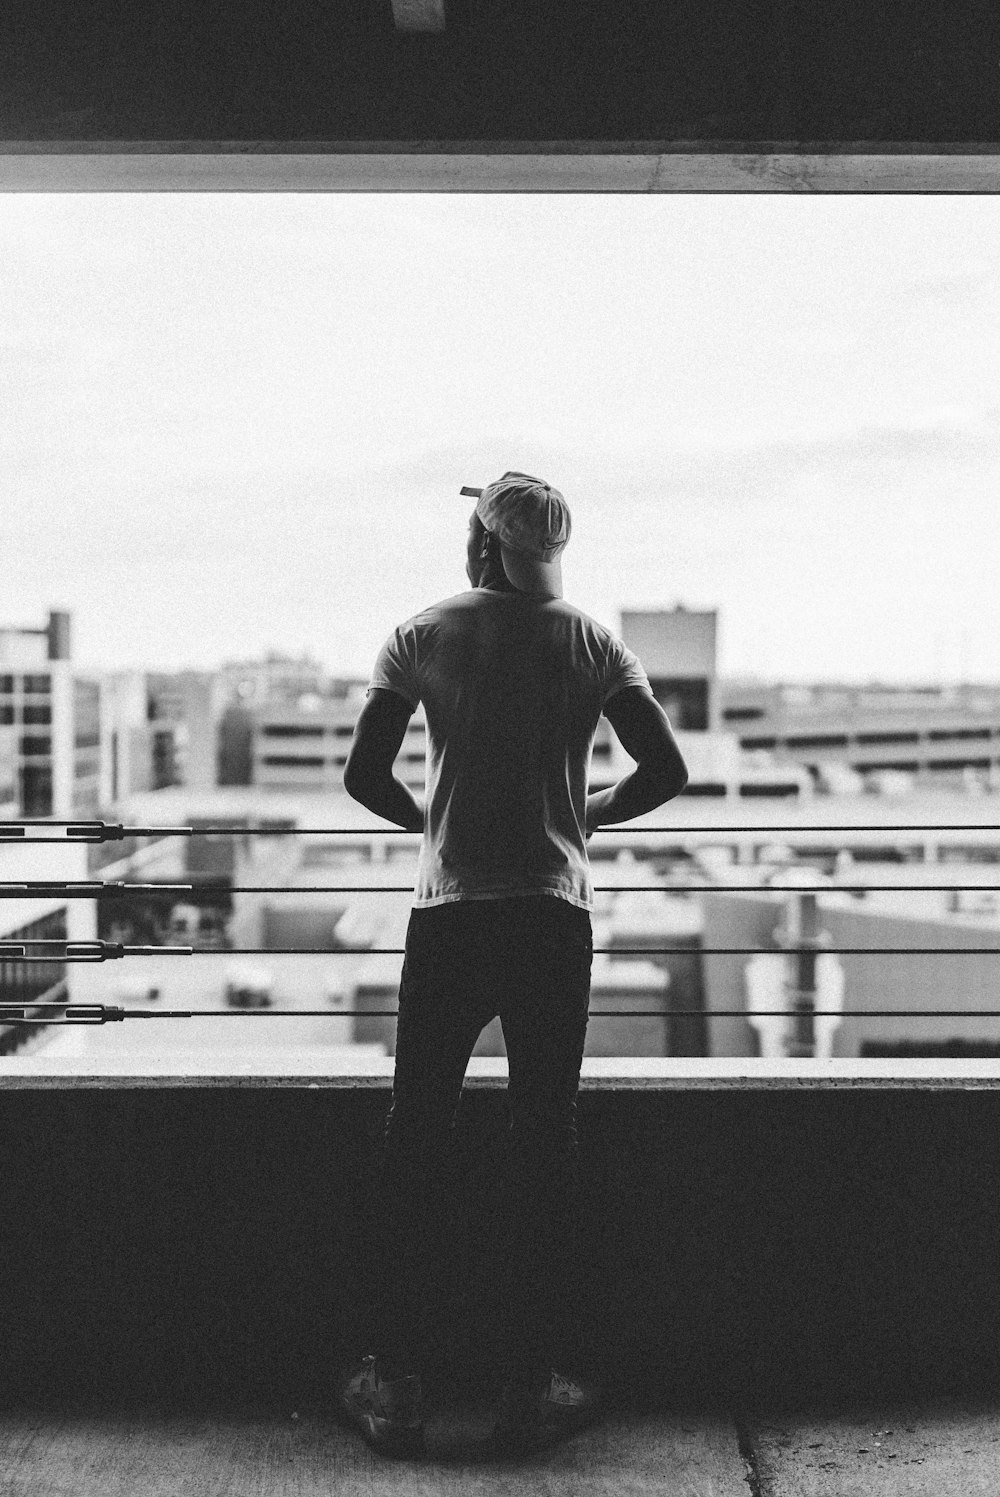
315,166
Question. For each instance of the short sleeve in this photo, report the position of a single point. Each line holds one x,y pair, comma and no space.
394,668
622,669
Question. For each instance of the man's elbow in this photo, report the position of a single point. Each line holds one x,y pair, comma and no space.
356,782
672,781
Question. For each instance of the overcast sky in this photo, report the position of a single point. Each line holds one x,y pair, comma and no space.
233,423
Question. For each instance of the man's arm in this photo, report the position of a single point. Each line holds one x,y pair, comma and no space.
645,733
368,776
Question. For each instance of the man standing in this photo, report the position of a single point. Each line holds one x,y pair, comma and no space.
513,680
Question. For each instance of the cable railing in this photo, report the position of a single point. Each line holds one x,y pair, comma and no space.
105,831
807,946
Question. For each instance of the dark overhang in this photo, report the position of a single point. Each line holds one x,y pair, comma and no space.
507,95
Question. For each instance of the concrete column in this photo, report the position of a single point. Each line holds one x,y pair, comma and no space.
805,925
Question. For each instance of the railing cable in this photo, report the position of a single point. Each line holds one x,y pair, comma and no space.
105,951
108,1013
101,831
94,889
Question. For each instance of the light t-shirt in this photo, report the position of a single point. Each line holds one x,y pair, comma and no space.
513,686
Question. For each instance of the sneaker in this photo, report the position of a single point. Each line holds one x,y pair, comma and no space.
388,1411
534,1410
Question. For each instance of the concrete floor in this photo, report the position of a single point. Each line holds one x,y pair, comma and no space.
192,1455
895,1448
944,1449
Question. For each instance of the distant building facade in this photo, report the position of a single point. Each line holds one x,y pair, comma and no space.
276,677
301,742
49,749
678,649
942,736
159,728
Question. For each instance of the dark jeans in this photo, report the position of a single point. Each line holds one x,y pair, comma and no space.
527,958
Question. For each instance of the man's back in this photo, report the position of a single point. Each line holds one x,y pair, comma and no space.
513,686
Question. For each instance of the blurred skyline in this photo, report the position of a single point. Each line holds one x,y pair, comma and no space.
239,423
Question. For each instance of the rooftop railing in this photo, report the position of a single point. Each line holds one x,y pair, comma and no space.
806,945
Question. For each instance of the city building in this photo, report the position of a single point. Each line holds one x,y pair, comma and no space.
126,736
304,745
276,677
301,741
49,767
678,649
870,1002
162,728
184,708
49,733
73,743
937,734
253,684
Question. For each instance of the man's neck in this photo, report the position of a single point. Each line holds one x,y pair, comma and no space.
521,592
500,587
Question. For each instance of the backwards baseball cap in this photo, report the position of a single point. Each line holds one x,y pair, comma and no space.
532,522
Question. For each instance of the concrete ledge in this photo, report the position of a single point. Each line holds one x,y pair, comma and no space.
757,1245
625,1073
428,166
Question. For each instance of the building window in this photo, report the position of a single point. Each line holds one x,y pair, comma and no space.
783,787
888,738
6,714
742,714
684,700
939,735
165,768
818,740
36,789
35,716
7,684
291,731
958,763
36,743
41,684
292,761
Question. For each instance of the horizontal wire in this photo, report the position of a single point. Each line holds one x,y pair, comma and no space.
631,888
83,831
619,827
624,1013
784,950
627,950
95,890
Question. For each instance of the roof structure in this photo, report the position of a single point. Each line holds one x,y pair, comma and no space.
499,95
